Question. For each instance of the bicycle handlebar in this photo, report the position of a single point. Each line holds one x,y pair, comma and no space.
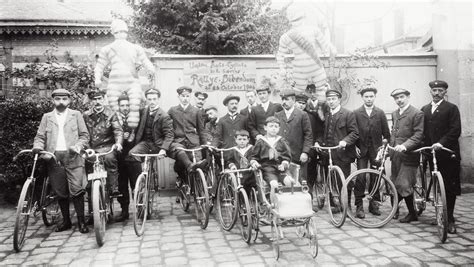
431,148
191,149
31,151
327,147
239,170
219,149
145,155
92,153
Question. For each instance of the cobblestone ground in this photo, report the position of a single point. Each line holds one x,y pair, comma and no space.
173,238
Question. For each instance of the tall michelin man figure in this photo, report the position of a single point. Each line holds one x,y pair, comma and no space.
306,41
124,58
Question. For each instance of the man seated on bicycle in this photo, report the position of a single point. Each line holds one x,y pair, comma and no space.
239,158
272,154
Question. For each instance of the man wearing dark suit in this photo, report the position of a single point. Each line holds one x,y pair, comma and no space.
261,112
201,98
211,125
296,128
406,136
251,97
230,123
442,128
373,128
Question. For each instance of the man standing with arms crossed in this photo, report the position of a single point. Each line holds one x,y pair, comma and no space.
442,128
373,128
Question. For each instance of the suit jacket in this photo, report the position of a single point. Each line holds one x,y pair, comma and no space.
104,128
188,125
226,128
317,124
372,129
75,133
297,130
443,126
345,130
407,130
162,128
258,116
245,111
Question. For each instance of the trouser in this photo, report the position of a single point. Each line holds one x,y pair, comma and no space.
367,161
128,170
67,176
183,159
311,171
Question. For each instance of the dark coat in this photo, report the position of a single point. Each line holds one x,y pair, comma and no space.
188,125
241,161
258,116
297,130
372,129
162,128
245,111
317,124
407,130
226,128
211,129
104,128
346,130
263,153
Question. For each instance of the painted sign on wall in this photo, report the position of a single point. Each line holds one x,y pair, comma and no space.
220,75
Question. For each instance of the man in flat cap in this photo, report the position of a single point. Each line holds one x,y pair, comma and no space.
406,136
189,132
295,128
442,128
340,130
230,123
261,112
64,133
373,129
301,101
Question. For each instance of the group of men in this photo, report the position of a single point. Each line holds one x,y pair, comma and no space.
305,119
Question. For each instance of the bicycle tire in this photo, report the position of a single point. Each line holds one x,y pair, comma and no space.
336,178
140,201
201,199
49,204
245,216
419,191
312,234
320,189
441,209
386,189
253,200
275,239
23,210
99,209
211,187
226,201
151,190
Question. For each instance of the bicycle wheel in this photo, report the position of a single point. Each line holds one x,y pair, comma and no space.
140,200
99,210
245,217
253,201
377,193
337,196
275,239
419,191
227,201
440,206
312,234
319,188
201,198
151,189
49,204
23,211
211,187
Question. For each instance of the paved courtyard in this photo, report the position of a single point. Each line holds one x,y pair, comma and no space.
173,238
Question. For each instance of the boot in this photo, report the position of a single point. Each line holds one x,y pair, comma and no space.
81,224
66,224
374,208
78,202
360,212
411,210
125,215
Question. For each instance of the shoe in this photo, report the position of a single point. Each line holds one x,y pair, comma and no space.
81,224
360,212
409,218
115,194
397,214
66,225
124,216
374,209
451,228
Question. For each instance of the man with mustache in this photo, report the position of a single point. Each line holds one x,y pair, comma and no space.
64,133
230,123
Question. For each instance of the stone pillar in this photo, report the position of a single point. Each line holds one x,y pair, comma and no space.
453,42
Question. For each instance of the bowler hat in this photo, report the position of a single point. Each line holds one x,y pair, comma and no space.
60,92
400,91
438,84
229,98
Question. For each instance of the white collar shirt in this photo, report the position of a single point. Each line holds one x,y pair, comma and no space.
403,109
368,110
434,106
336,110
184,107
288,112
265,105
61,141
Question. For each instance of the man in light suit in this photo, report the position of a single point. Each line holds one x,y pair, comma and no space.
442,128
406,136
64,133
261,112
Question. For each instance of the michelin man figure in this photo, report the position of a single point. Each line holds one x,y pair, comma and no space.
124,58
306,41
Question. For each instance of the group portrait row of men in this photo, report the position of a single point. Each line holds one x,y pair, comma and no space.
304,120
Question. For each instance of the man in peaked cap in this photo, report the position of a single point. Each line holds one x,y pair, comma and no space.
406,136
261,112
230,123
442,128
64,133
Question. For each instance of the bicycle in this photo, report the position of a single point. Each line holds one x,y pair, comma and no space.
422,191
144,191
378,190
28,202
102,202
212,173
195,184
333,190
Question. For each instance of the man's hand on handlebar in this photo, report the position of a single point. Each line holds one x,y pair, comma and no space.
36,150
400,148
437,146
162,154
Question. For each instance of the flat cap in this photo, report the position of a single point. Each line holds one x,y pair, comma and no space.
201,93
400,91
242,133
153,91
229,98
60,92
181,89
287,93
332,92
95,93
210,107
272,119
438,84
301,98
123,96
368,89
